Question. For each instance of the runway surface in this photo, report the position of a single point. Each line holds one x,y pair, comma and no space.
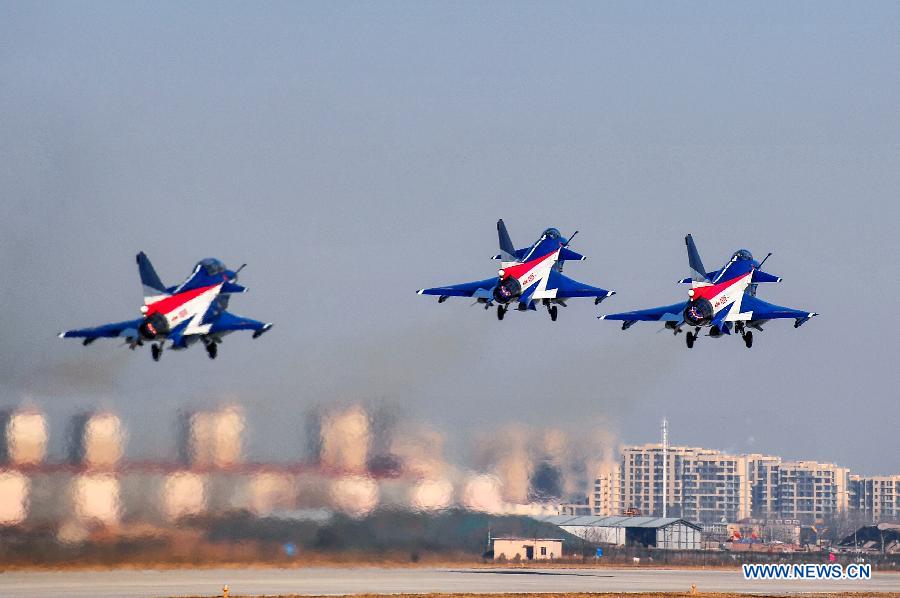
209,582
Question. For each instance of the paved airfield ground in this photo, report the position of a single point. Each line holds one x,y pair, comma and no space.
336,581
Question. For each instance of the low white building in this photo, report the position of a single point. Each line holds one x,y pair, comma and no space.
527,549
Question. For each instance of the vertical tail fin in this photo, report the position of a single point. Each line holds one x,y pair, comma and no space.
153,286
507,249
698,272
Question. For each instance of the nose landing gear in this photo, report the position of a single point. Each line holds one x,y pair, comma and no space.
212,349
553,312
748,339
501,311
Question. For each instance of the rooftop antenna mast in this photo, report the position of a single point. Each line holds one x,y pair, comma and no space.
665,471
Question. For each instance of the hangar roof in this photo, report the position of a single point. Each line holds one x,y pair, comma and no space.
591,521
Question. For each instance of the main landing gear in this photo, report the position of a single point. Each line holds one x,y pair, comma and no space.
501,311
156,351
747,335
691,337
212,349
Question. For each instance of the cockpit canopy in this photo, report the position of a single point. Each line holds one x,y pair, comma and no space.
742,255
552,233
211,266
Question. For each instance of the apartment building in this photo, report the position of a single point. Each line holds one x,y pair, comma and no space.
703,485
709,486
808,491
606,500
764,476
715,487
877,498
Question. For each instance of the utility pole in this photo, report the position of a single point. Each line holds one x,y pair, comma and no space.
665,443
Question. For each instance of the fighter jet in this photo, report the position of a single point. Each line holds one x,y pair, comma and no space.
527,276
194,310
722,300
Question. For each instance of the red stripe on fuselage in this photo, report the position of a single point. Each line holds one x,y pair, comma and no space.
713,290
520,270
170,304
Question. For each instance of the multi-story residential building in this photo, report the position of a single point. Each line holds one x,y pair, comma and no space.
708,486
811,491
641,477
715,486
702,484
805,490
876,498
606,500
764,472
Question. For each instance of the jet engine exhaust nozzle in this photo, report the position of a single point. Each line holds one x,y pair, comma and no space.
698,312
507,290
154,326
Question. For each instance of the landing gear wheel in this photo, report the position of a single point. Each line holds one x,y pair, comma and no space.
748,339
689,338
212,349
155,351
553,312
501,311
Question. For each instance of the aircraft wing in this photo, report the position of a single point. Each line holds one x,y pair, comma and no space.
759,310
760,276
566,254
127,328
232,287
229,322
567,287
666,313
479,288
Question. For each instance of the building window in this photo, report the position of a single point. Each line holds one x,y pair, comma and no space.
543,551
